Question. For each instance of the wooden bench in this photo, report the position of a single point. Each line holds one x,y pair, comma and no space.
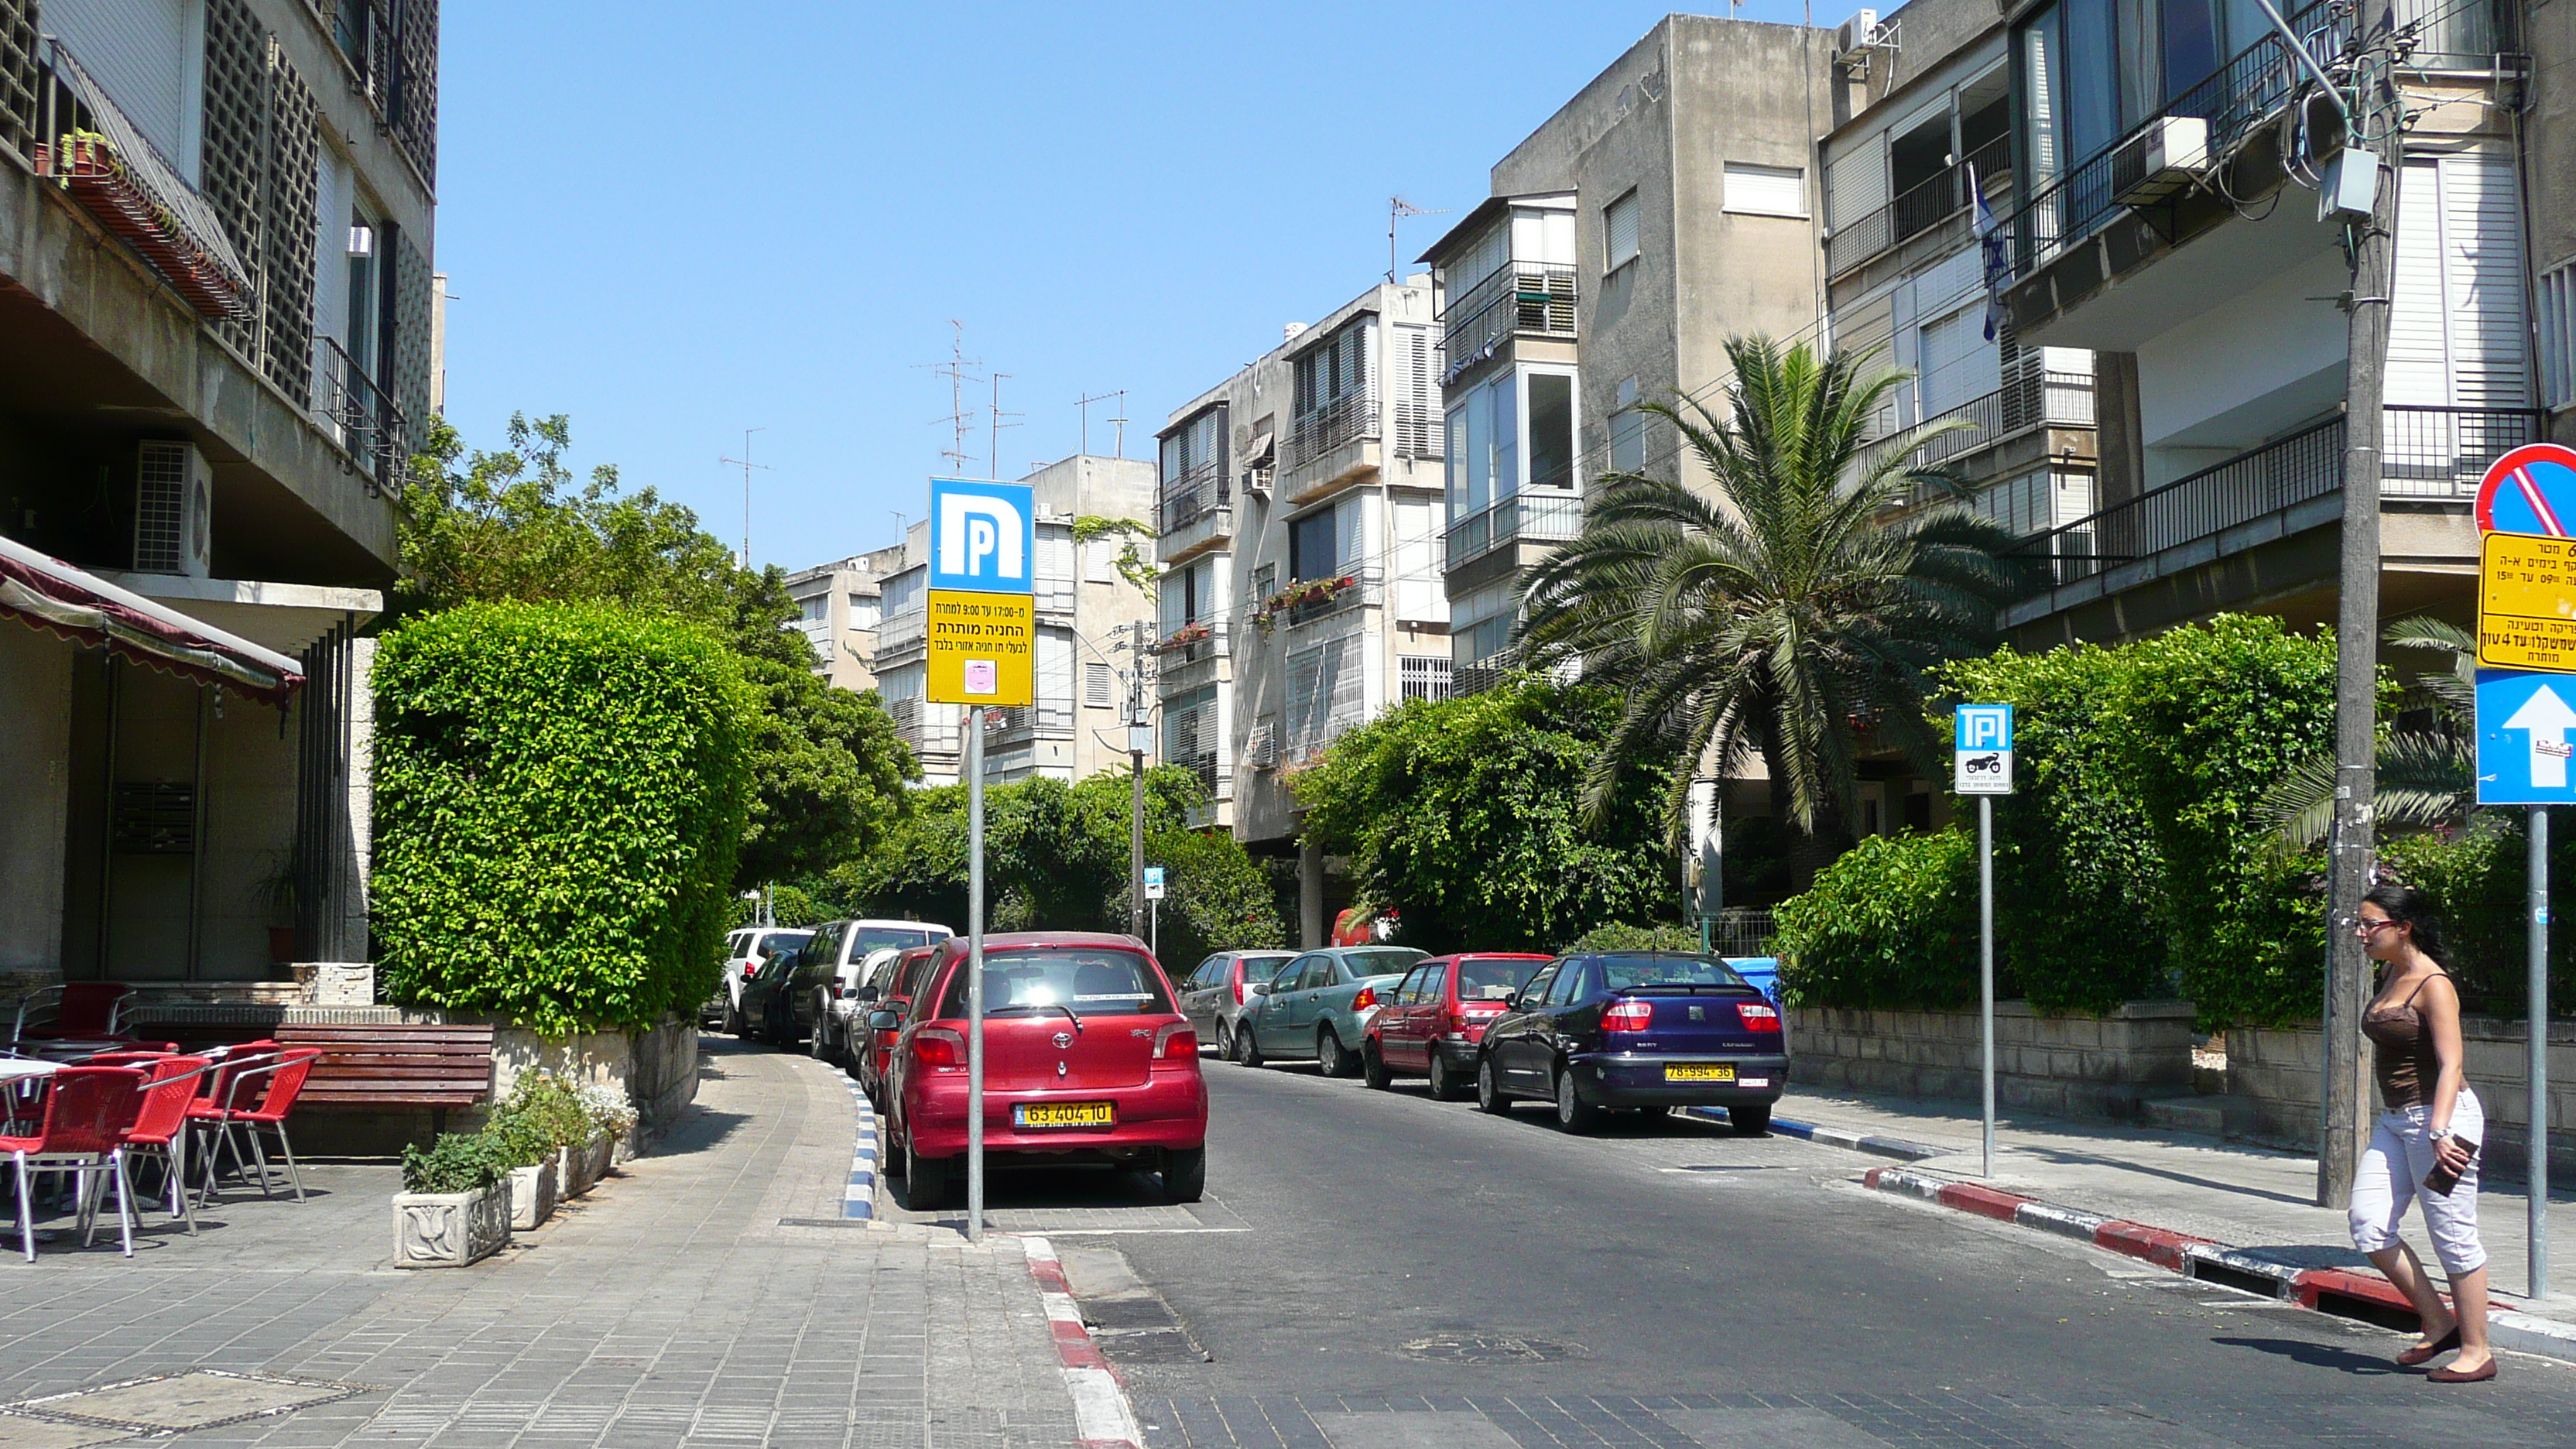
399,1065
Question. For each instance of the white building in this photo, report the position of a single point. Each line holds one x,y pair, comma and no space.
838,608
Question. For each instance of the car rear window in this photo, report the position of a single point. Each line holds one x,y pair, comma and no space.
1087,979
1382,960
872,937
1628,973
777,941
1494,980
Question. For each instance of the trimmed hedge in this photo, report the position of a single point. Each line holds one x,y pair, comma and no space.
1892,924
560,796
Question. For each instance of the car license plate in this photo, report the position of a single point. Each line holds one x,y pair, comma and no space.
1066,1114
1699,1072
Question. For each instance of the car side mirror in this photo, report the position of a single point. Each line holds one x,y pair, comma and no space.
1512,1002
1255,988
885,1021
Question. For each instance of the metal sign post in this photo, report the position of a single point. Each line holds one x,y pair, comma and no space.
2537,1223
1154,909
979,653
1982,765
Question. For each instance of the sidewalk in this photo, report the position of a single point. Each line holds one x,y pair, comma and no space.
684,1303
2248,1198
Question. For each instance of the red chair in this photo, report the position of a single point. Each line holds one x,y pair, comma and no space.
91,1008
88,1111
138,1057
253,1095
161,1128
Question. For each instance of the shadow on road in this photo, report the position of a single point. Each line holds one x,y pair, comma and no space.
2318,1355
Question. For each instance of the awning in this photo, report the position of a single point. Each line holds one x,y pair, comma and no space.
86,609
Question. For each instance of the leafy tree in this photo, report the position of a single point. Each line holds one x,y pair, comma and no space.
1781,615
1457,813
1891,924
2425,778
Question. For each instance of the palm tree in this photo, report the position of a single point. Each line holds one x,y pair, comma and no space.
2422,779
1793,608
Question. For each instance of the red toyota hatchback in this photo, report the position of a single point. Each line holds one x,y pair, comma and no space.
1086,1060
1430,1022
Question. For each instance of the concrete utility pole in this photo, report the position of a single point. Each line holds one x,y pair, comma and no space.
2376,126
1140,736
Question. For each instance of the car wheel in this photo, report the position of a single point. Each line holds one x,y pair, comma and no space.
1247,1047
1184,1174
1489,1088
1373,1065
1749,1119
734,1025
819,1045
1572,1112
1329,1051
1224,1042
925,1180
1444,1086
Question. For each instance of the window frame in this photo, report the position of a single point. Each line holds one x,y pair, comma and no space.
1610,218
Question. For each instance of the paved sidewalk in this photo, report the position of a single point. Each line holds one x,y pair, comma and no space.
672,1307
2246,1197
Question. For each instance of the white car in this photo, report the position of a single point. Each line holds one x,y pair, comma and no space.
748,949
828,972
845,1017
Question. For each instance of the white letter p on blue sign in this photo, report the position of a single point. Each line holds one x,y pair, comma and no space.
1985,727
982,536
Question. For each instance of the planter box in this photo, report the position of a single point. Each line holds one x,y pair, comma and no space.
532,1195
450,1229
582,1167
2075,1066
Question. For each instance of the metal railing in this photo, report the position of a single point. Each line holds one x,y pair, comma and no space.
1192,496
1541,517
2444,450
1742,931
903,627
1521,297
1346,419
2035,400
1368,586
361,416
1917,209
1204,766
1217,645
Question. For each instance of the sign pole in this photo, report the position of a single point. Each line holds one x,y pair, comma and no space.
975,975
1986,971
2537,1257
1982,765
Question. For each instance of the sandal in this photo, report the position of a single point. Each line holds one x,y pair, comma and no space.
2478,1375
2426,1352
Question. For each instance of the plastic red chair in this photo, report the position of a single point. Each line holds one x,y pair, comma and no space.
254,1096
88,1111
161,1128
91,1008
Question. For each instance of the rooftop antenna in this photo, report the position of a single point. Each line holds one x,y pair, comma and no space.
955,369
1121,421
993,464
1397,208
1084,403
746,465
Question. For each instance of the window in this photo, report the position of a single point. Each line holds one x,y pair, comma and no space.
1551,430
1088,980
1627,431
1425,676
1408,992
1312,550
1098,686
1619,233
1484,446
1195,448
1546,978
1488,638
815,609
2558,335
1766,190
1488,980
1334,371
1568,986
1265,582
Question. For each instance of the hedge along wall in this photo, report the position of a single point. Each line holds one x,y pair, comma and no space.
560,796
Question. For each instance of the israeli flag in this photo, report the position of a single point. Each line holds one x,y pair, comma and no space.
1990,241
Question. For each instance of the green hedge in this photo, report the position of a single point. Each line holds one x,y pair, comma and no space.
2478,879
560,795
1891,924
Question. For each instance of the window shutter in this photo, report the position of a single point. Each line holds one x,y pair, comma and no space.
2558,335
2482,251
2418,369
1098,686
1766,190
1856,181
1619,231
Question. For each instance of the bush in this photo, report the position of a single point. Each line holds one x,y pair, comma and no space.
540,1115
560,794
2477,878
1620,936
611,1111
1893,923
457,1162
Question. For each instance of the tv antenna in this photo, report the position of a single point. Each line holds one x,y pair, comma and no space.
993,464
1397,208
1084,403
957,370
746,465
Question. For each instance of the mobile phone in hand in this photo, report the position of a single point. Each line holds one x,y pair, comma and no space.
2442,1179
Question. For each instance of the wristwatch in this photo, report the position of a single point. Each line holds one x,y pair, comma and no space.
2439,1134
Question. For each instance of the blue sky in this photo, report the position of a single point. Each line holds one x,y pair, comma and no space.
674,222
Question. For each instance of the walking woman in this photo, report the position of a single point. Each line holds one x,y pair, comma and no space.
2431,1130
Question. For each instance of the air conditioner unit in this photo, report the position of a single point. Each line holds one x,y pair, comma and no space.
2161,162
174,501
1857,33
1261,752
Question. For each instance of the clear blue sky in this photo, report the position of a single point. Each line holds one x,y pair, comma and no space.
675,221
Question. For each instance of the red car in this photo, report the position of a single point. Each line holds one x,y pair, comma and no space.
1430,1023
1087,1059
893,986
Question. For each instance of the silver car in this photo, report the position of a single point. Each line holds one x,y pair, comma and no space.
1225,986
1319,1006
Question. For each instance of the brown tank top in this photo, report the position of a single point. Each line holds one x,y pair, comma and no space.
2402,1052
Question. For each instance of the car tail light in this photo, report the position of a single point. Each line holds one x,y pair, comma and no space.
1177,1041
1238,986
1628,1015
937,1046
1366,999
750,969
1757,1017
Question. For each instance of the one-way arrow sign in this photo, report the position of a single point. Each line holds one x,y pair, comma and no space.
2523,724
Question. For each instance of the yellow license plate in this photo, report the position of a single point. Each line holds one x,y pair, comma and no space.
1070,1114
1699,1072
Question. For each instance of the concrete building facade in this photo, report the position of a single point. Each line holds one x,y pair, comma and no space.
215,240
839,606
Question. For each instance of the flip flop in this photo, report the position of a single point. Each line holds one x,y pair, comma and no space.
2425,1353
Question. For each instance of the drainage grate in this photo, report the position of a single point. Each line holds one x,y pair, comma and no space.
1499,1348
165,1403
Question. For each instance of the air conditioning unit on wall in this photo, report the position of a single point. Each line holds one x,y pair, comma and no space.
2161,162
174,504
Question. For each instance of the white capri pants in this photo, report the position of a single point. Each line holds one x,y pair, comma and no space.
2392,1173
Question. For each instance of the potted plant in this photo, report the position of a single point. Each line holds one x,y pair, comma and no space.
454,1208
535,1124
612,1120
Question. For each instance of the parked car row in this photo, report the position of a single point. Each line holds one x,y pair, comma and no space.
783,1000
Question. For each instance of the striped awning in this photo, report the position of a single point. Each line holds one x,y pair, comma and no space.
51,595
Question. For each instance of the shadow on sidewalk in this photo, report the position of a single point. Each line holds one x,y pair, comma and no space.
2318,1355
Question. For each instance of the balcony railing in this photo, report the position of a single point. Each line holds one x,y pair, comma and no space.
361,416
2035,400
1919,208
1195,642
1192,496
1522,297
1539,517
902,628
1343,420
2428,452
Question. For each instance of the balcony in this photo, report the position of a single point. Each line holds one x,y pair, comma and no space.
906,629
1195,642
1522,517
361,417
1193,512
2431,454
2026,405
1523,298
1343,421
1918,209
1305,601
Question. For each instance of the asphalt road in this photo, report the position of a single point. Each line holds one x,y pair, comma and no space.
1365,1251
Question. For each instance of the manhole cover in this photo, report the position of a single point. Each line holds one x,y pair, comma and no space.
195,1399
1490,1348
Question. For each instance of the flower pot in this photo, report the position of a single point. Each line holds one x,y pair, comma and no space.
450,1229
583,1166
532,1195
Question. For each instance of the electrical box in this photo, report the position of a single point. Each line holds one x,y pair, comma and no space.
2348,184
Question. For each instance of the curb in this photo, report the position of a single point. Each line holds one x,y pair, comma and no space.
1896,1147
859,1199
1102,1418
2338,1291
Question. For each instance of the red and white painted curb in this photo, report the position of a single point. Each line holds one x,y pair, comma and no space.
1102,1416
2327,1290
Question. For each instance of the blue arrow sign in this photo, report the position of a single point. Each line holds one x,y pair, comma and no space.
2524,726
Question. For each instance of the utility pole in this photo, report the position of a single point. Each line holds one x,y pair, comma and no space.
746,465
1140,738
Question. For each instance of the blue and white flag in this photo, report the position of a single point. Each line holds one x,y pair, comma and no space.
1990,241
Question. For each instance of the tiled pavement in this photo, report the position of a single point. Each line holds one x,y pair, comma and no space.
670,1308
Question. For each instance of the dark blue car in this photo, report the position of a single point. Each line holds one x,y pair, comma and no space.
1648,1030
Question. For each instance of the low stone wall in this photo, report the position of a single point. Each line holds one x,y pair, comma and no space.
2075,1066
657,1069
2275,1073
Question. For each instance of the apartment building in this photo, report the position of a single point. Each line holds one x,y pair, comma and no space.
1095,554
838,607
1665,208
1299,508
215,240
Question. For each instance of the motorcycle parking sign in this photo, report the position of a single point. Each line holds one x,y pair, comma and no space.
1982,761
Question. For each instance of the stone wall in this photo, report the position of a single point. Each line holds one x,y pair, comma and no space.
2275,1074
2077,1066
657,1069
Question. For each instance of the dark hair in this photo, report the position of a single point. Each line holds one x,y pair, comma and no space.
2412,908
